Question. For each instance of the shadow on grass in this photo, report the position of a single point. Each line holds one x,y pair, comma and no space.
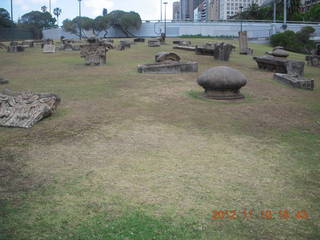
200,96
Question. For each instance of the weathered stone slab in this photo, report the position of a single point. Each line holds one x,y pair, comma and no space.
204,50
28,43
187,48
24,109
295,81
139,40
3,81
182,42
15,47
169,67
167,56
49,48
126,44
280,65
154,43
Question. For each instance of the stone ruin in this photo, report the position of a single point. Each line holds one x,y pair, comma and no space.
154,43
139,40
187,48
222,83
38,43
107,40
108,43
295,81
15,47
48,46
3,46
243,44
47,41
68,45
314,58
277,62
168,62
3,81
286,70
24,109
162,38
207,49
94,53
220,51
124,44
167,56
28,43
182,43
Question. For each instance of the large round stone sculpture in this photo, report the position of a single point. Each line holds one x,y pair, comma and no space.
222,83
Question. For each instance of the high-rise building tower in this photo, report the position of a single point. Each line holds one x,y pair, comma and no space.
229,8
176,11
186,10
213,10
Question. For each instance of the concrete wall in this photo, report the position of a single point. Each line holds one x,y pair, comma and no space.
153,29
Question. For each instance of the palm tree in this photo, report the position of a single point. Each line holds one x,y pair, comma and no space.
44,9
57,12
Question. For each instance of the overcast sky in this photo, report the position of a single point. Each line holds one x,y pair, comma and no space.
148,9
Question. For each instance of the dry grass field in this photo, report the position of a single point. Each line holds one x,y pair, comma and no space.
142,156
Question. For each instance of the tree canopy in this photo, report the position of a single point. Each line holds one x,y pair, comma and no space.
5,20
36,21
265,12
297,42
117,19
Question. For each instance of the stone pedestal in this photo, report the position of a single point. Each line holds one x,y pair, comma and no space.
49,48
222,83
243,43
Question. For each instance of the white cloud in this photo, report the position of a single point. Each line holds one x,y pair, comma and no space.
95,7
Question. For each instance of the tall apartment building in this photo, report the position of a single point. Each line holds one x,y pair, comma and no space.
187,9
201,11
176,11
213,10
230,8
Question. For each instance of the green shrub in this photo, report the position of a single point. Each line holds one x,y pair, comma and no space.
297,42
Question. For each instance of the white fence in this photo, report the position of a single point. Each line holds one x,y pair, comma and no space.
153,29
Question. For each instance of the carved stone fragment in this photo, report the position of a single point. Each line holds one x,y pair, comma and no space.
24,109
94,53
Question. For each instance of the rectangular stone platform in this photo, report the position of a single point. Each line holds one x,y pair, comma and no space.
169,67
294,81
187,48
